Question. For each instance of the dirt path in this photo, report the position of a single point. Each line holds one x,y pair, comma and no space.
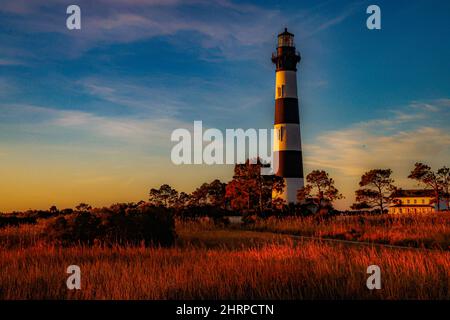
236,238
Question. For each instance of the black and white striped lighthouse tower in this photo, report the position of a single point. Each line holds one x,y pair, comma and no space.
287,144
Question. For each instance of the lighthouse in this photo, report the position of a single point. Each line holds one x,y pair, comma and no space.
287,148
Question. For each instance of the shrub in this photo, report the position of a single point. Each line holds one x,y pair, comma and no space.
15,221
249,219
221,221
111,226
194,212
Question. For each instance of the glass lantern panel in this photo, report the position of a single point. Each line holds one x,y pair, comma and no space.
285,41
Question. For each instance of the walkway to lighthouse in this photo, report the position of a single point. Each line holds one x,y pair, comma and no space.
236,237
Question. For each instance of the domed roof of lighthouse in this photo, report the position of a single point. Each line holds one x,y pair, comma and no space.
286,33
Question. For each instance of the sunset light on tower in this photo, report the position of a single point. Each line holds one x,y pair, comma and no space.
287,143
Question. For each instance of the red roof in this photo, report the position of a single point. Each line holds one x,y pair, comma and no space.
412,193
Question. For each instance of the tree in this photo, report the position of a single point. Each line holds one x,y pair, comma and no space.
168,195
376,189
251,190
182,200
237,194
444,181
199,196
320,189
239,191
83,207
53,209
209,194
360,206
154,197
165,196
277,187
216,193
423,174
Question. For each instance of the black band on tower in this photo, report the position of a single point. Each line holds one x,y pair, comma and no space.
286,111
289,163
286,59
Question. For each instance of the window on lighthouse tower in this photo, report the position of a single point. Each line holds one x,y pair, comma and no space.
280,133
281,91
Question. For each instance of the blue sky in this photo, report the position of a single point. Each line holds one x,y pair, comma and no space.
87,115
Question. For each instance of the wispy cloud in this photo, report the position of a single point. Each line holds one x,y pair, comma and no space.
320,24
428,107
155,132
147,132
397,142
317,19
351,151
154,96
147,95
235,30
221,24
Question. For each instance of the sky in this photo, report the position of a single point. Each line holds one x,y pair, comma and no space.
86,115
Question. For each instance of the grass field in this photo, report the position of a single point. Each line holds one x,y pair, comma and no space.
419,231
214,263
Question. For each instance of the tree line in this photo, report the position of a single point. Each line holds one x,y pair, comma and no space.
251,192
377,186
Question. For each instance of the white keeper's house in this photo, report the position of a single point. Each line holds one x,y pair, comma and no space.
414,201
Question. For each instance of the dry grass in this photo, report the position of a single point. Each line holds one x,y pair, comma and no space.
287,271
423,231
26,235
219,264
